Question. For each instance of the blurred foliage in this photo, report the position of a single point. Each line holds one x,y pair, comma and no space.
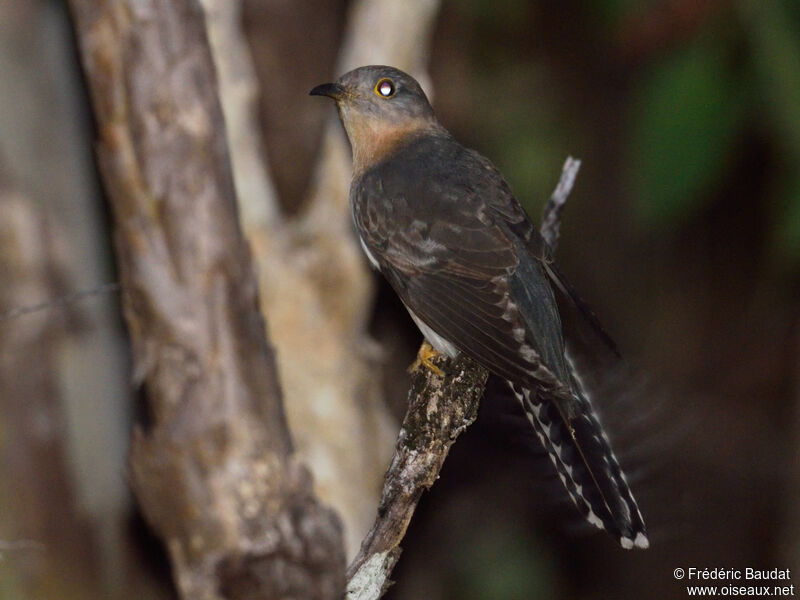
773,29
497,563
693,88
530,143
497,13
694,107
786,238
686,116
774,35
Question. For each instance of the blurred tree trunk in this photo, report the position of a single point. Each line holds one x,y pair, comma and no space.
37,500
316,288
46,153
185,272
215,473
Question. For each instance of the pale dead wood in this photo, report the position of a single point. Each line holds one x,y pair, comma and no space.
238,92
551,214
318,293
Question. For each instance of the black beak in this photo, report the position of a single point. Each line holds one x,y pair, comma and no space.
331,90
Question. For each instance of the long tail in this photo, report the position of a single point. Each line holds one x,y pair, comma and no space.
586,465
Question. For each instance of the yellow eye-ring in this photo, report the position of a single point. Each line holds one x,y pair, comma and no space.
385,88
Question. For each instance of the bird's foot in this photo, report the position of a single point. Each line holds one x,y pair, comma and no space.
425,355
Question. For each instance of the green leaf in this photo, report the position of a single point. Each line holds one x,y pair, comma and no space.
686,116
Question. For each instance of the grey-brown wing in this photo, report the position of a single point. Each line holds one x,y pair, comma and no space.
460,269
517,221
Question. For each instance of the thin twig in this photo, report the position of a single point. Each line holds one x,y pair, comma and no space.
60,302
551,215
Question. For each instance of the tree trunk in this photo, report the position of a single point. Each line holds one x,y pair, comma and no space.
215,472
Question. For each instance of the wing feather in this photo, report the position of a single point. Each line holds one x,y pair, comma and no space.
449,241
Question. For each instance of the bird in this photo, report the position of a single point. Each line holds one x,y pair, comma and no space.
441,224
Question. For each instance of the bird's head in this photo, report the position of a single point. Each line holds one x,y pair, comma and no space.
380,107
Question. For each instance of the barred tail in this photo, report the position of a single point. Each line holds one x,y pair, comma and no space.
586,465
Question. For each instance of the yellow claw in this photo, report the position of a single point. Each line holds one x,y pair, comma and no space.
425,355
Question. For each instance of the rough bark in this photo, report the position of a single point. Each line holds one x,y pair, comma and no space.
215,472
339,422
440,408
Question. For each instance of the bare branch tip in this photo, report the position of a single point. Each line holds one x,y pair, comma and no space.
371,579
551,215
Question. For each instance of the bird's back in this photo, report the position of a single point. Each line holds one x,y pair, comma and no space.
450,195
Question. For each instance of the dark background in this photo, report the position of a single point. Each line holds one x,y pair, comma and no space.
683,233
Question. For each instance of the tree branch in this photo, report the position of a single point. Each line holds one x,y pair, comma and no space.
238,93
440,409
551,215
215,474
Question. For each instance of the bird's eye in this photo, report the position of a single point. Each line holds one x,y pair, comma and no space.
385,88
